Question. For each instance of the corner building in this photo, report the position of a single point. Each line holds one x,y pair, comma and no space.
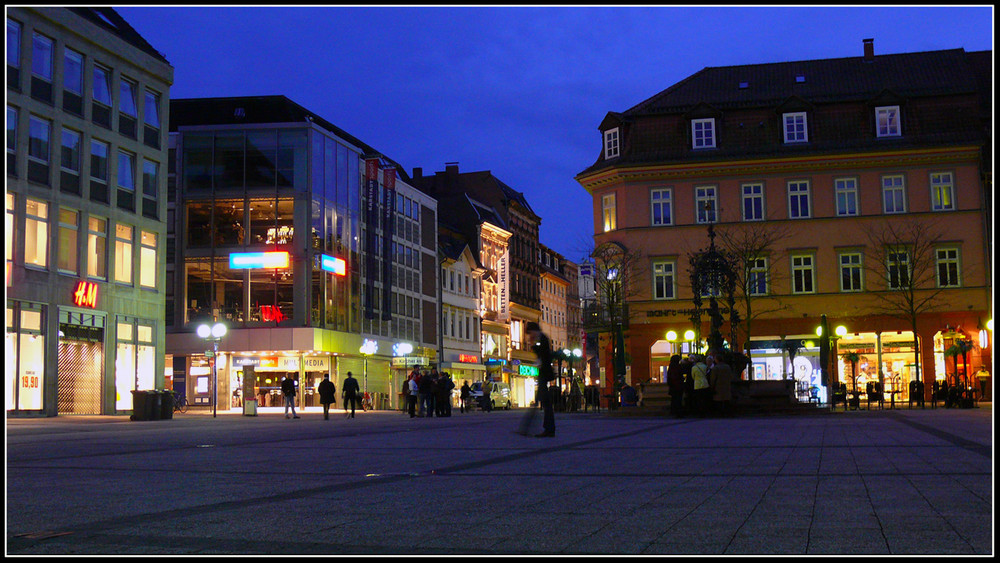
87,108
825,151
354,287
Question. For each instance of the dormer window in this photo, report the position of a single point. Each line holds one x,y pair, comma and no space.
800,78
795,127
744,85
703,133
611,143
887,121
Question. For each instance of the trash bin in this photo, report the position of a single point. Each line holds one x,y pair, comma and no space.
139,407
153,404
166,405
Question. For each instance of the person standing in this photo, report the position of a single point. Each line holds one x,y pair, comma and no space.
702,387
464,397
288,390
543,351
721,380
327,395
686,365
427,395
351,390
411,398
487,399
675,382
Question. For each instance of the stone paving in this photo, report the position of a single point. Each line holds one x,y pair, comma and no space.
880,482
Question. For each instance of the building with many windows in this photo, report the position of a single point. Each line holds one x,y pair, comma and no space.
857,188
310,245
86,152
461,309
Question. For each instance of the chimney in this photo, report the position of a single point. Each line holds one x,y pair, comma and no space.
418,172
869,50
451,167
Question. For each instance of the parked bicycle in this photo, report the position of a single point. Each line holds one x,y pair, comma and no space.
180,403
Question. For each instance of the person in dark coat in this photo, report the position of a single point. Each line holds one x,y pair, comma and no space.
464,397
543,351
327,395
675,382
351,391
288,390
689,402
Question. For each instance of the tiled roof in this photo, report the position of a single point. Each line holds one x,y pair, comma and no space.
926,73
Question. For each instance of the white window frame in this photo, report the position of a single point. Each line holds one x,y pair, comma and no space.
795,127
661,199
803,264
45,74
846,192
852,262
609,212
35,147
887,121
942,191
612,143
703,133
758,271
896,190
753,191
892,266
703,195
664,276
799,190
944,257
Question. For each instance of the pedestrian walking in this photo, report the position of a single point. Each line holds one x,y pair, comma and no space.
543,352
288,390
351,390
721,381
327,395
675,382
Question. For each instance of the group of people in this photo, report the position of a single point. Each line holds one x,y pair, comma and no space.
700,385
428,394
327,395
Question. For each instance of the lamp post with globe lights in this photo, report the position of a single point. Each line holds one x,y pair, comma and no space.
213,334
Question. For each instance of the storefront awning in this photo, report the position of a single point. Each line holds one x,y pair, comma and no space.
461,365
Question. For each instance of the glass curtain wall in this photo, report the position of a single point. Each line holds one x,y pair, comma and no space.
241,190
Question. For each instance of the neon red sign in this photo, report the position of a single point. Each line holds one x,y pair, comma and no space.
468,358
85,294
271,313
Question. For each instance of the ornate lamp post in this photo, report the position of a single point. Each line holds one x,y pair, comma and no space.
213,334
712,275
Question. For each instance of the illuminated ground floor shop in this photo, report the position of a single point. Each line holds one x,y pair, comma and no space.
244,374
66,361
863,352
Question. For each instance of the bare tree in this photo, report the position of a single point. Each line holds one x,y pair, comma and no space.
752,247
902,260
618,278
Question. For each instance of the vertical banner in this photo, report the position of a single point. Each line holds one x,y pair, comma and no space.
371,222
503,267
388,228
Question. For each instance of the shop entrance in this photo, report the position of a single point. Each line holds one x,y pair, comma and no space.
268,387
81,369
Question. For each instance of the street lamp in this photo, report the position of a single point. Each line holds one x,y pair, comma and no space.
213,334
368,348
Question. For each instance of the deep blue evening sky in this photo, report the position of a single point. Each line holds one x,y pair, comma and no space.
518,91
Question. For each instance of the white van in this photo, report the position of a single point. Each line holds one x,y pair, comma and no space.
499,394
